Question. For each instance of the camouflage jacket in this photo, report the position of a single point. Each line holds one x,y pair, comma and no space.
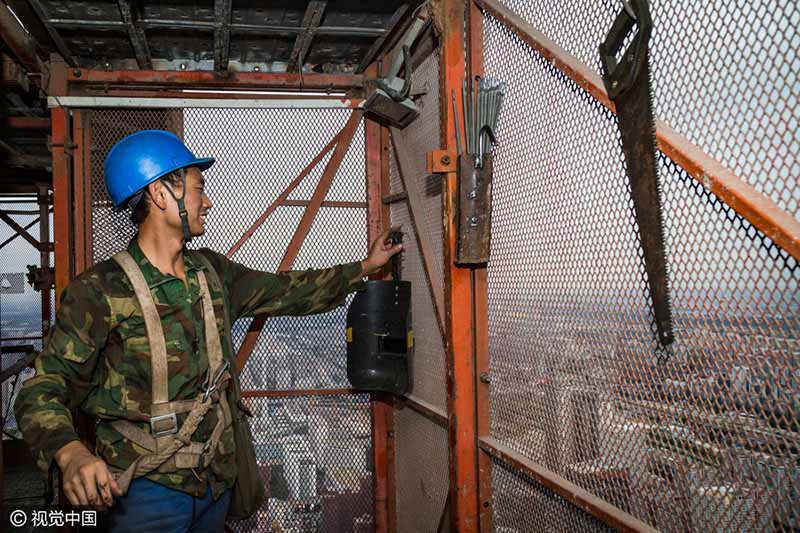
97,355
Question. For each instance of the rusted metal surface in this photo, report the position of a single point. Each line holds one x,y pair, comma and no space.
311,19
154,79
628,84
62,200
83,191
582,498
475,54
474,210
22,45
26,123
755,207
222,33
382,404
343,144
458,296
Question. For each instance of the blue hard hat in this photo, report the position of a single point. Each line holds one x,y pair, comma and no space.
142,158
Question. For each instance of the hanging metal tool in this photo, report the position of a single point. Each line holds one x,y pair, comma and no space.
481,112
628,84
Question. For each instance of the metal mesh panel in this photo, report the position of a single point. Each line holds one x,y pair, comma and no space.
428,365
522,505
421,472
315,453
112,231
724,74
20,305
315,457
259,152
707,441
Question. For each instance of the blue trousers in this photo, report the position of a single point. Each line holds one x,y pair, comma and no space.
149,506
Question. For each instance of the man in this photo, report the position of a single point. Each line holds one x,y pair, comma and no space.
98,355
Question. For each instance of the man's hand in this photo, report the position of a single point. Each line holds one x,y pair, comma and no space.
86,478
380,252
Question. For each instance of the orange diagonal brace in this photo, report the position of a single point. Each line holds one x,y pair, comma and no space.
303,228
283,196
757,208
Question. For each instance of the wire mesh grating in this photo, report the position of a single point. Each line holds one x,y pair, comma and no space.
315,453
522,505
724,75
707,441
421,471
428,367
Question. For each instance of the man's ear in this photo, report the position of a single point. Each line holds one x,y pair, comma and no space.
158,196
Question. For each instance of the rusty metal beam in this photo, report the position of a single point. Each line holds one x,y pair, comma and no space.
207,26
416,211
136,35
376,46
327,203
59,43
342,146
376,154
222,34
82,190
21,43
311,20
321,191
481,306
426,409
25,123
155,79
459,299
757,208
62,200
578,496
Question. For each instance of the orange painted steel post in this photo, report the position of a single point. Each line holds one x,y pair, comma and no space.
382,408
82,189
481,309
62,199
459,295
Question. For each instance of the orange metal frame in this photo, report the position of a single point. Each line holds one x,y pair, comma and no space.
459,296
72,211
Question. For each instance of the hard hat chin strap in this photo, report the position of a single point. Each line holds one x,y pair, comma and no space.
187,234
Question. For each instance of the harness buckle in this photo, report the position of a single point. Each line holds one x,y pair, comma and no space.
172,417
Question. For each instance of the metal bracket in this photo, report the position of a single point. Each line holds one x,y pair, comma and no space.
474,210
440,161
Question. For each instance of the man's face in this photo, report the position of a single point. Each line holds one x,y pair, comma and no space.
197,202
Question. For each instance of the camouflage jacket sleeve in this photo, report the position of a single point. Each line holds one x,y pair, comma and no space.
64,371
253,292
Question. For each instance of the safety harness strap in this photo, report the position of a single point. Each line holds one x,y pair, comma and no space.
169,447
